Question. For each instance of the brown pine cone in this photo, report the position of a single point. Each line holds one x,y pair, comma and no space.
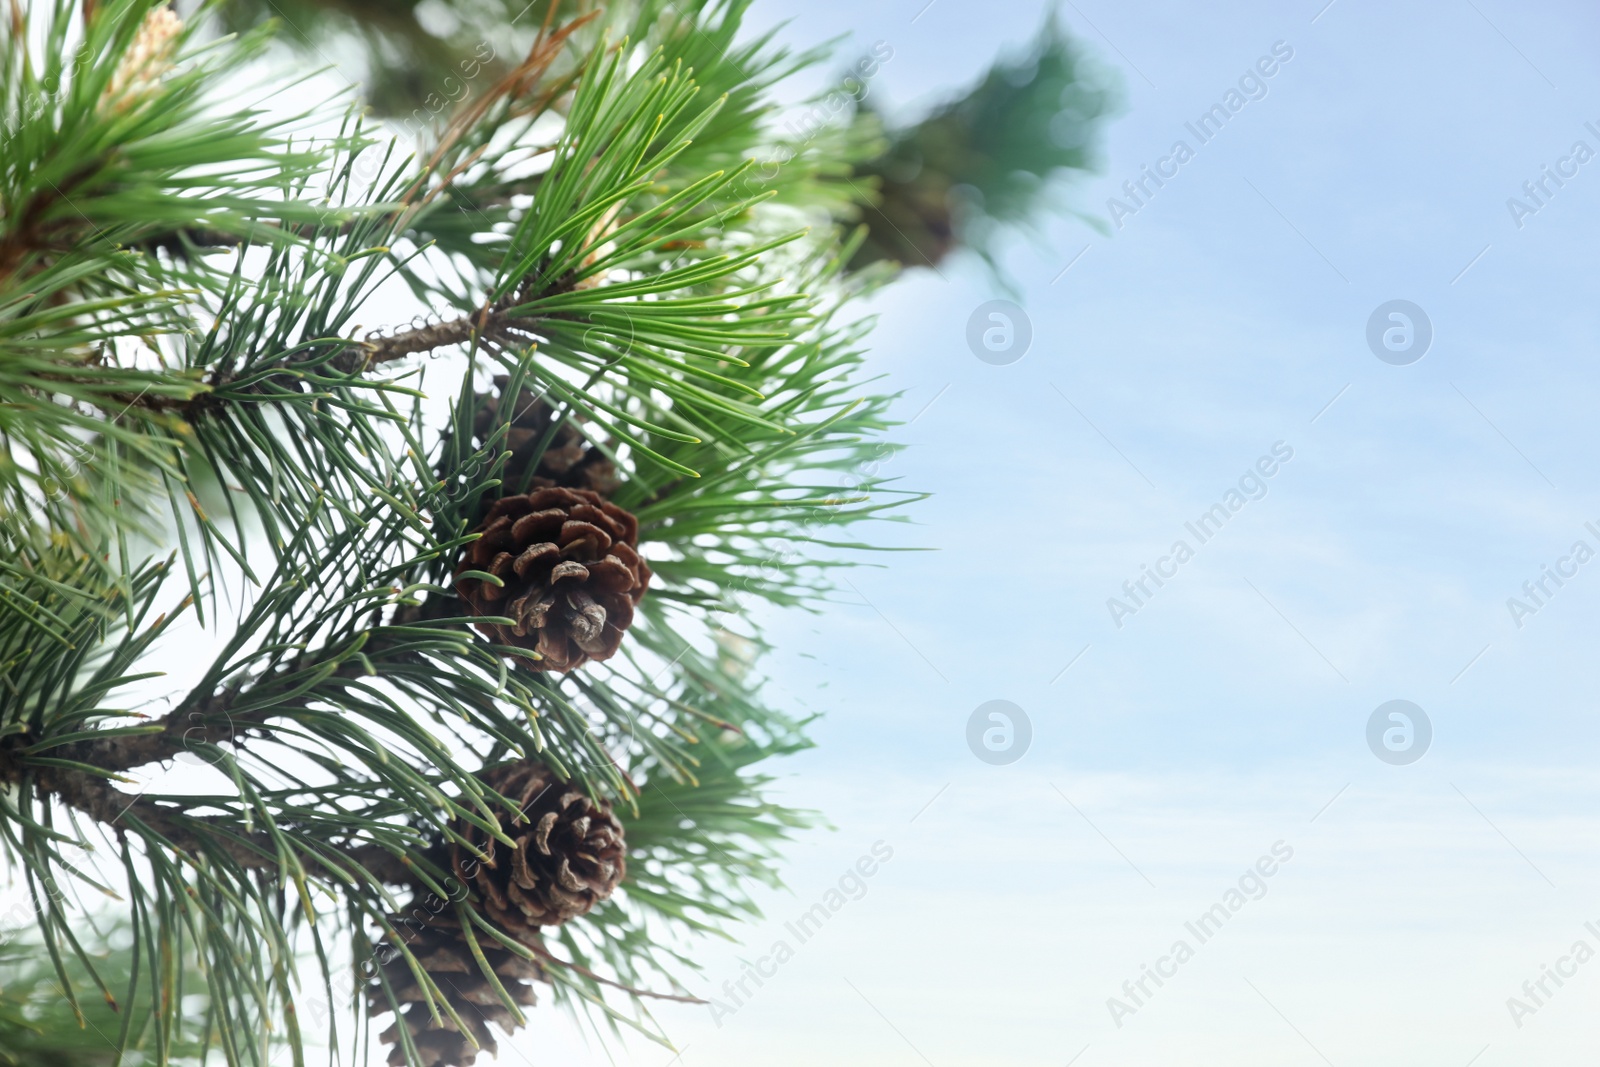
569,854
441,950
570,461
571,574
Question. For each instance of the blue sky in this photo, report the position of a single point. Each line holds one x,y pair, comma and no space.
1219,320
1230,713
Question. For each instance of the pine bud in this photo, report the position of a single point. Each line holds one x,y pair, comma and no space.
146,60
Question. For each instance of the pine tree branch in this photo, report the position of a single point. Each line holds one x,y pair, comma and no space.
416,340
691,361
494,322
100,800
130,752
96,797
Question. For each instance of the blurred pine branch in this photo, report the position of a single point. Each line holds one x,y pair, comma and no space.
989,161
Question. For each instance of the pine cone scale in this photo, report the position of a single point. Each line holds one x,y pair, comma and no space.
532,556
569,575
441,949
569,459
568,856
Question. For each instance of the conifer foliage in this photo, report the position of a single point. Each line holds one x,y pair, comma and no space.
381,515
271,720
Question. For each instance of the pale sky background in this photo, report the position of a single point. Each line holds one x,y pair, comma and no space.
1225,716
1230,713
